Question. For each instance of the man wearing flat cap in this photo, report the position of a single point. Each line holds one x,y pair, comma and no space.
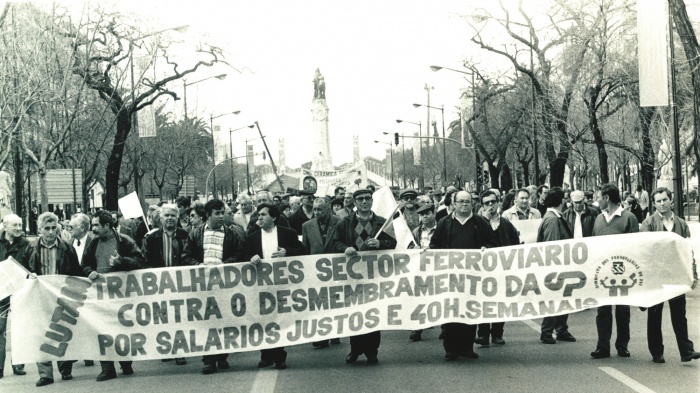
358,232
580,216
422,235
304,213
407,199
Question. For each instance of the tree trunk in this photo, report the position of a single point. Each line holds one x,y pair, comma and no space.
43,192
506,178
646,115
115,160
685,31
494,174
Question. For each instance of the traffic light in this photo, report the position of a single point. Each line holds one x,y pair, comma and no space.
396,138
264,157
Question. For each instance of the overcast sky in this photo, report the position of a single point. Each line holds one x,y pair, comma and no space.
374,55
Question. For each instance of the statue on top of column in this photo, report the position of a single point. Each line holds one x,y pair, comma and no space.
319,85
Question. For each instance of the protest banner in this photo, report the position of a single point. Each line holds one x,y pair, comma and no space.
191,311
527,229
12,277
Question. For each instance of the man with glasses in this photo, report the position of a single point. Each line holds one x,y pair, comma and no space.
503,234
665,221
358,232
408,208
303,214
613,221
521,209
461,230
554,227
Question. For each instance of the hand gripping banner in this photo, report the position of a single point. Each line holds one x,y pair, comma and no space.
192,311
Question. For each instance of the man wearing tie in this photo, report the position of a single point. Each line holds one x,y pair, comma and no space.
81,234
316,237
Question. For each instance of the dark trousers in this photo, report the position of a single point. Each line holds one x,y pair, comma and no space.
603,322
366,343
458,338
109,366
212,359
494,330
46,368
558,323
276,355
680,327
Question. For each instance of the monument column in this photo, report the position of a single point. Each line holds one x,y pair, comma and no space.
321,160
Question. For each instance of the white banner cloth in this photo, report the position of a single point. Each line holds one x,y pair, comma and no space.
193,311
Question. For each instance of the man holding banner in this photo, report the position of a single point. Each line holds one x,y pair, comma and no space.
504,234
461,230
213,244
48,255
12,244
317,234
665,221
362,231
554,227
163,247
272,241
109,252
613,221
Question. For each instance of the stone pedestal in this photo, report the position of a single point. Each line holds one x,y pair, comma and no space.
321,160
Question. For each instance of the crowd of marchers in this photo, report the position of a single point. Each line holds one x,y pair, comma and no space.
266,226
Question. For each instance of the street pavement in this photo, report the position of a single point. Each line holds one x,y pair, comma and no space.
523,364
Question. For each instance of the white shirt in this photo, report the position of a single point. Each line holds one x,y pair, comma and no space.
578,228
617,212
269,242
80,248
668,224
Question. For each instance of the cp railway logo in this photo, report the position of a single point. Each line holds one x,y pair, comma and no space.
618,274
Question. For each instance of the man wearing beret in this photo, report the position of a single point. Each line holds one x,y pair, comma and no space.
358,232
408,208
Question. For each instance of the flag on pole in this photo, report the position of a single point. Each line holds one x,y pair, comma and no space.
652,42
385,206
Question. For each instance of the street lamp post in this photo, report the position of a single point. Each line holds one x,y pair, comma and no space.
421,180
391,155
230,141
213,142
435,68
444,149
184,87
